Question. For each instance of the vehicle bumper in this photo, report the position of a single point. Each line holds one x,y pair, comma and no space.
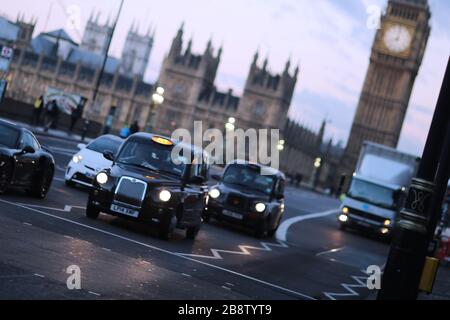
78,173
356,221
248,219
150,213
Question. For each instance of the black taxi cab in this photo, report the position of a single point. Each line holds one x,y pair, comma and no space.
146,184
248,194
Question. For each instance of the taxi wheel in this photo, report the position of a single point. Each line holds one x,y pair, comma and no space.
166,228
192,232
92,213
262,229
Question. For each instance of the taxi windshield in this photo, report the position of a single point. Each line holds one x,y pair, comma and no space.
247,177
150,155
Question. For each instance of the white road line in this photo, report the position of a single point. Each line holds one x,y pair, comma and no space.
95,293
39,275
284,227
244,250
66,207
28,224
59,179
280,288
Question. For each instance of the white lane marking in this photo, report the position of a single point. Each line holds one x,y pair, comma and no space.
28,224
67,208
229,284
39,275
361,282
284,227
95,293
330,251
186,275
226,288
280,288
244,250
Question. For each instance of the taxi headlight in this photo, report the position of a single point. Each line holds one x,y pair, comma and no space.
260,207
77,158
165,196
387,222
102,178
345,210
214,193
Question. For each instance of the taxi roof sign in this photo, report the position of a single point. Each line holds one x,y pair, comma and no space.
163,141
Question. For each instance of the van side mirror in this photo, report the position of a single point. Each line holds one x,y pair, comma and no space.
108,155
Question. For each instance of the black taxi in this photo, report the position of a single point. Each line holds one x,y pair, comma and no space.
147,184
248,194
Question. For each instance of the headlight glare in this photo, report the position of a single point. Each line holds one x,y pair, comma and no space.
77,158
260,207
214,193
102,178
165,196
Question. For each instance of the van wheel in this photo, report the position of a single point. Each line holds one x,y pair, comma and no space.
192,232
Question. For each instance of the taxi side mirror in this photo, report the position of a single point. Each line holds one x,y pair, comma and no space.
108,155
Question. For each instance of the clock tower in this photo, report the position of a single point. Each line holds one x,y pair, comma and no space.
396,56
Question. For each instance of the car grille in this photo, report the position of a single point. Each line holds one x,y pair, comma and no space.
131,191
366,215
237,201
82,178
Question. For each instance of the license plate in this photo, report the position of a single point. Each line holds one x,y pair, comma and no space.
233,214
125,211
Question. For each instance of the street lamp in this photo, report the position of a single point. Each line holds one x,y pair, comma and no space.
280,145
318,163
157,99
231,124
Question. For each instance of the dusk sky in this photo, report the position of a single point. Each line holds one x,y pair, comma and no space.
329,38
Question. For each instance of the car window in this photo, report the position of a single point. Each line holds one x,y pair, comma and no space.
249,178
8,136
28,140
103,144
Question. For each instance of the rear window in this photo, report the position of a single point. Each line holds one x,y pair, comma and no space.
103,144
8,136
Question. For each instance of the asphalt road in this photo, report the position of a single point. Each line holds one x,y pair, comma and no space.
118,259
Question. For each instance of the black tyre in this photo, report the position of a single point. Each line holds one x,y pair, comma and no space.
262,229
192,232
41,190
92,212
5,177
342,226
167,227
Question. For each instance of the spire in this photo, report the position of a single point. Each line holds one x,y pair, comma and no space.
266,62
97,17
189,46
288,66
297,70
256,57
219,54
209,45
321,134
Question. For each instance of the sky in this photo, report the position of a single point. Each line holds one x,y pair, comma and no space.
329,39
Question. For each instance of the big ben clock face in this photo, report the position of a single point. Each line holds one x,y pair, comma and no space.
397,38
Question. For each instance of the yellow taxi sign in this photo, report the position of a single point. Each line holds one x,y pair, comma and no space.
163,141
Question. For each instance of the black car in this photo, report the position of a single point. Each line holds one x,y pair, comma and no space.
24,163
248,194
145,184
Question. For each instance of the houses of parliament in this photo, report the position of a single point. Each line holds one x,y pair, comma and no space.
53,59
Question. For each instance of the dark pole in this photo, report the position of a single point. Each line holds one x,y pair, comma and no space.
105,58
406,259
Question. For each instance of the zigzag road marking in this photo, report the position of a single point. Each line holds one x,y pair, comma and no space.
244,250
361,282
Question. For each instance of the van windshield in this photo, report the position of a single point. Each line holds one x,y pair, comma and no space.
250,178
372,193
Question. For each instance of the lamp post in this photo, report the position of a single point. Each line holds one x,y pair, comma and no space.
316,171
157,99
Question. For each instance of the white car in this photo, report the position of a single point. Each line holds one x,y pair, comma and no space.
90,160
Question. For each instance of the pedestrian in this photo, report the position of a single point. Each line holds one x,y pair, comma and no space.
85,130
124,132
37,111
51,114
74,117
135,128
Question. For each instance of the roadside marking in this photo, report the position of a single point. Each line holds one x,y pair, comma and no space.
66,207
186,275
361,282
244,250
39,275
226,288
280,288
95,293
28,224
330,251
284,227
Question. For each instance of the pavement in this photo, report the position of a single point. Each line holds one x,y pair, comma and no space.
42,239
